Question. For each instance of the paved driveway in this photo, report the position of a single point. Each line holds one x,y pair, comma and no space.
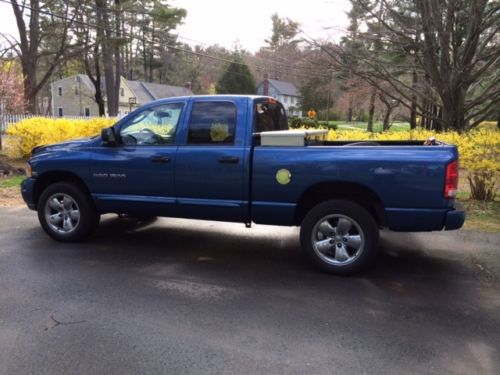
179,296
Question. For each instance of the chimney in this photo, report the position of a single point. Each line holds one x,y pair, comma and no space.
266,85
188,85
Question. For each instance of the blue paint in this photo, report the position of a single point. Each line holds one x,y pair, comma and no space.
237,181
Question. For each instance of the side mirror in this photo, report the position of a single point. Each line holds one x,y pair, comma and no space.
108,136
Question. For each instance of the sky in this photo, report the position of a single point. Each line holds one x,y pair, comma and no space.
245,24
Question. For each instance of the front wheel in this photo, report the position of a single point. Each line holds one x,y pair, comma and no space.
67,213
339,236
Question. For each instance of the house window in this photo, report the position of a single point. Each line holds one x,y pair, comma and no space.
87,112
285,99
59,91
77,92
60,112
122,91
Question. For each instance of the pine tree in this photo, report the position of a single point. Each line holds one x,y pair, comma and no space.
236,79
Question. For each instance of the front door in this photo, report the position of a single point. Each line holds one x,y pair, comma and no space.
137,175
210,163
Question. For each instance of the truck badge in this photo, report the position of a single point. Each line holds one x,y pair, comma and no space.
283,176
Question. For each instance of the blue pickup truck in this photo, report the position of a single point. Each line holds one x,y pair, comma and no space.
203,157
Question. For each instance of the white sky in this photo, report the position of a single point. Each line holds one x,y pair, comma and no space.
245,23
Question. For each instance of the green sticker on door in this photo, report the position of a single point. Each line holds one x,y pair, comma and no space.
283,176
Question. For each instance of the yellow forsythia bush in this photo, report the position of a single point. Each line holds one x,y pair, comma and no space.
37,131
479,152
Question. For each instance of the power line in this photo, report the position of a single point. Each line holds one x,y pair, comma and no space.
146,40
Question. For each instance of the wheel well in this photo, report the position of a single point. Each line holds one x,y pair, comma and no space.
49,178
341,190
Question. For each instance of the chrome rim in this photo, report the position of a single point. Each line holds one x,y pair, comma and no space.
338,239
62,213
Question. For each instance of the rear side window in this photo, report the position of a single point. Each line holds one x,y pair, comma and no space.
212,123
269,116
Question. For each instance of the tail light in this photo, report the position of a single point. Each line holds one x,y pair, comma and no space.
451,181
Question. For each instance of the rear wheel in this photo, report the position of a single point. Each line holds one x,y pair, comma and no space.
66,212
339,236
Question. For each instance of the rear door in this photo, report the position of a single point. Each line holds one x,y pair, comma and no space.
209,170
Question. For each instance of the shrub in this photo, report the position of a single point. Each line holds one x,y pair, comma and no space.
293,122
329,125
38,131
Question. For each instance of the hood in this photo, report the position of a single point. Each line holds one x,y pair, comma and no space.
67,145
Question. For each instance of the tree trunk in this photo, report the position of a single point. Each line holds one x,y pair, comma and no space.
350,109
453,115
105,34
413,106
371,109
99,98
387,118
118,58
29,82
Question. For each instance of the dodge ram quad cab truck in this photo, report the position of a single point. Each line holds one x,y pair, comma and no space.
231,158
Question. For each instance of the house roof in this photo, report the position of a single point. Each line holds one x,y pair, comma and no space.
142,95
86,80
146,91
143,91
284,87
165,91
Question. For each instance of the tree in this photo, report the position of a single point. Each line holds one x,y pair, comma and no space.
236,79
130,38
352,44
11,98
438,58
282,48
46,20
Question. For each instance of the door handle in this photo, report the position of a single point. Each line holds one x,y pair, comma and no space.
160,159
229,160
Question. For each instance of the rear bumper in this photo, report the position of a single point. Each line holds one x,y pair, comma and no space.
455,218
424,220
27,191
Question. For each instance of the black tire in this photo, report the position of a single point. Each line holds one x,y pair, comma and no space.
87,218
322,252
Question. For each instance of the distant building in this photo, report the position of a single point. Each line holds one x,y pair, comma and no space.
285,92
74,96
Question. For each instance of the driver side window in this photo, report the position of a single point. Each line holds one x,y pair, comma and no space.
152,127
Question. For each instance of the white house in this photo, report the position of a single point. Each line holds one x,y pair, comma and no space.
285,92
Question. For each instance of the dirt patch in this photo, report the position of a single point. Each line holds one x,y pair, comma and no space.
11,197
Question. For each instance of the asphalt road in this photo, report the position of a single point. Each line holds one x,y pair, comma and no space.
182,297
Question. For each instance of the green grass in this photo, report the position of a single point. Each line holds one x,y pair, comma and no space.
12,181
377,126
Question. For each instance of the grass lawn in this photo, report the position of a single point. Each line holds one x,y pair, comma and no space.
11,181
377,126
10,192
